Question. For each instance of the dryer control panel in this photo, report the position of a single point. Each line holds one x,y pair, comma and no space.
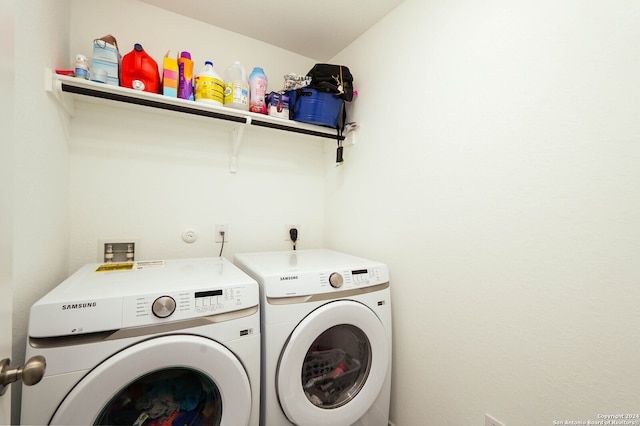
310,272
328,281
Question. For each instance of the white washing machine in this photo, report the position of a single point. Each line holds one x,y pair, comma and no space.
147,343
326,338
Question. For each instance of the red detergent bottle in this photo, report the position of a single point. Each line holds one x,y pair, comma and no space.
140,71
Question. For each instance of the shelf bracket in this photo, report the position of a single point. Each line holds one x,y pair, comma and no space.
237,139
350,134
54,87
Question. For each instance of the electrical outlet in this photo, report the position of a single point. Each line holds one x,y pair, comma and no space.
491,421
287,236
219,230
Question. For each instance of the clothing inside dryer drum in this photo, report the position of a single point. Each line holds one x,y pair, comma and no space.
168,397
336,366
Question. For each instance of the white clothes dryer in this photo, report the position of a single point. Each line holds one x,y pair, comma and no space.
147,343
326,338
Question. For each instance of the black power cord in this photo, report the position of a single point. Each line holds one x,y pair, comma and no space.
222,246
293,234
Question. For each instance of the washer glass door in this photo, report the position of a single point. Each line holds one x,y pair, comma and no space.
168,396
163,380
334,365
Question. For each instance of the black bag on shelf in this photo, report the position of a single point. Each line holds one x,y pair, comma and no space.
335,79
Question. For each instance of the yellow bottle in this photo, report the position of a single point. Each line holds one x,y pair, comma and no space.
209,85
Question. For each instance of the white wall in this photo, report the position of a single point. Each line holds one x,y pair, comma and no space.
150,176
40,227
7,73
496,171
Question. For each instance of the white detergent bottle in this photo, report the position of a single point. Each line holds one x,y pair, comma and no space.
236,91
209,85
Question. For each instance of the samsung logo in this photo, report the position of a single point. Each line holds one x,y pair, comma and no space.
79,306
289,278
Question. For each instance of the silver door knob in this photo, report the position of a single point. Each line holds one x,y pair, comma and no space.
31,373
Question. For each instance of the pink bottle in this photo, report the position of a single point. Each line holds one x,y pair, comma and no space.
258,91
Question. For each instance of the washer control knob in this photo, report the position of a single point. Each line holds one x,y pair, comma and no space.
336,280
163,306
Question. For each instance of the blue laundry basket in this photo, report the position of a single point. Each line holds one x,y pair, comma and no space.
315,107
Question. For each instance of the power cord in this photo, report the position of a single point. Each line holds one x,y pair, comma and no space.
293,234
222,246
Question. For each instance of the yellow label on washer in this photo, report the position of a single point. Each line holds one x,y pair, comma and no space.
108,267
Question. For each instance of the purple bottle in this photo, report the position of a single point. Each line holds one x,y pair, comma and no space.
185,76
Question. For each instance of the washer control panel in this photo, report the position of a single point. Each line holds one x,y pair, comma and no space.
212,301
154,308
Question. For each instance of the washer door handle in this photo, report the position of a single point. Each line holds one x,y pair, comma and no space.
31,373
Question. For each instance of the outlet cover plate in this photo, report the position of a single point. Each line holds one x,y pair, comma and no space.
220,228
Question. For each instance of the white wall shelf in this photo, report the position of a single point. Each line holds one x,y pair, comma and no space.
66,89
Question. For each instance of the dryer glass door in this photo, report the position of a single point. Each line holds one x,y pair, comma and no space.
333,365
164,380
336,366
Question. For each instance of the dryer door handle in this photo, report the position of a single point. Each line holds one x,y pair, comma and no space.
31,373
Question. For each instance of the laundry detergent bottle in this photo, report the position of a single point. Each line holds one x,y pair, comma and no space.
209,86
185,76
258,89
236,91
140,71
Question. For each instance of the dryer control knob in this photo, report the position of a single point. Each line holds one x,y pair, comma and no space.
163,306
336,280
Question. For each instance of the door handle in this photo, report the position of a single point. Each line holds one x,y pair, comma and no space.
31,373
